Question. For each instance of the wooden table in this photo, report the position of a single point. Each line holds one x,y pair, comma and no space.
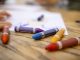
23,47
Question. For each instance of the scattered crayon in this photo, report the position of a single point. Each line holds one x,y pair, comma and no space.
58,36
5,35
27,29
63,44
43,34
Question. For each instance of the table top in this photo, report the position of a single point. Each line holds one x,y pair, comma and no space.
23,47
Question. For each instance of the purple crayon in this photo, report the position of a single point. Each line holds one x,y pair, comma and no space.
27,29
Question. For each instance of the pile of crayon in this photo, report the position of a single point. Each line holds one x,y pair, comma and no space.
4,26
56,41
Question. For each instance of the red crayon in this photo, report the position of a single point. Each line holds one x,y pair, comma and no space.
63,44
5,35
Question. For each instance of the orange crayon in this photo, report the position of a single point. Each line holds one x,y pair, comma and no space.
5,35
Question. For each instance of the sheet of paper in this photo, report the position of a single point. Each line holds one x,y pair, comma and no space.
28,18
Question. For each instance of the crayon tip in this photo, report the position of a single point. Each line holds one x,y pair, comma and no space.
52,47
40,18
38,30
37,36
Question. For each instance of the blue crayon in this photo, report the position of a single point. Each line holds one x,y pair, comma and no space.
27,29
44,34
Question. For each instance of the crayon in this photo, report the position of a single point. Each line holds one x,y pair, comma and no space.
44,34
77,21
63,44
58,35
5,35
40,18
27,29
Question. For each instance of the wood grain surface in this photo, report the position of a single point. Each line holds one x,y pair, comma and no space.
23,47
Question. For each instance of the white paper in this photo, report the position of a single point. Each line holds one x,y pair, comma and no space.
28,18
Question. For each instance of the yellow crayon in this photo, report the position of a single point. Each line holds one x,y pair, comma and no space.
58,35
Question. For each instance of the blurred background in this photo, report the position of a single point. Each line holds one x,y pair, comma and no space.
68,4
